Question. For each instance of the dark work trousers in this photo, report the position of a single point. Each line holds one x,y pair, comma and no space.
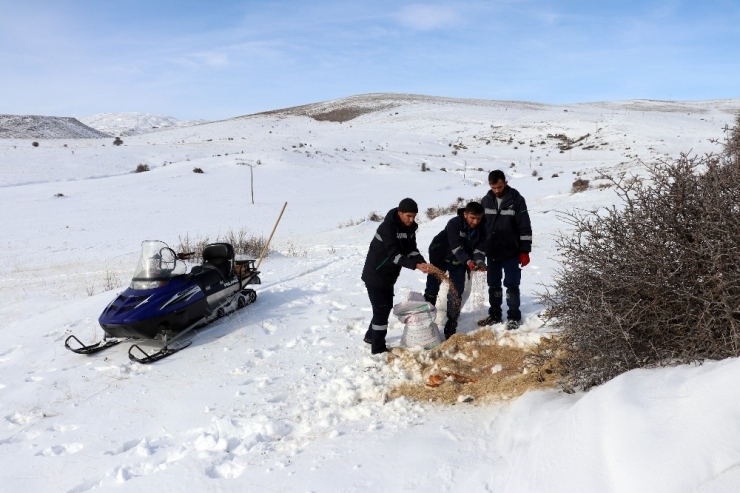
382,302
457,276
512,276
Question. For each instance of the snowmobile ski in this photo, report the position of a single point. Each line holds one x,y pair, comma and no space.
151,358
92,348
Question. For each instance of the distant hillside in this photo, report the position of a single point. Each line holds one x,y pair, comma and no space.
45,127
125,124
349,108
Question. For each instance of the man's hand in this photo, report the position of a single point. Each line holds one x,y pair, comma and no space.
425,268
474,266
523,259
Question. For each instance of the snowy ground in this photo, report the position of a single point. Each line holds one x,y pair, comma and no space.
284,396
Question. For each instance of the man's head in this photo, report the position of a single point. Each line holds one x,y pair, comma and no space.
497,182
407,210
473,214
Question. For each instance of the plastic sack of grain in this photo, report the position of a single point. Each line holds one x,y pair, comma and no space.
418,316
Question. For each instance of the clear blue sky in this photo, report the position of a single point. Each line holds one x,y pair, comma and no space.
224,58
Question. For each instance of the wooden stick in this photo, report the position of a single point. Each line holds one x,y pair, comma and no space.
264,250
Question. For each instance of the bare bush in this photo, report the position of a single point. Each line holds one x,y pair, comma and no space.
579,185
197,170
434,212
654,281
296,251
350,223
35,144
117,141
375,217
245,243
141,168
111,281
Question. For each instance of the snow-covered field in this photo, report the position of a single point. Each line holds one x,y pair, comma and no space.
284,395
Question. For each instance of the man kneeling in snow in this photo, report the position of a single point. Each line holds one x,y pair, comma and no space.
456,250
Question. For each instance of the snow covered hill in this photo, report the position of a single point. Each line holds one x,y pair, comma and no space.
45,127
125,124
284,395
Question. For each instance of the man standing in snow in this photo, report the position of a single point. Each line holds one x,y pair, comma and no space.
457,249
393,247
507,246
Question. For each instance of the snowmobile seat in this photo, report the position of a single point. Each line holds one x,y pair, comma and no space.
219,257
206,277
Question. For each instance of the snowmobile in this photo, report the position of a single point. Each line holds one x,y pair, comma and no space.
165,303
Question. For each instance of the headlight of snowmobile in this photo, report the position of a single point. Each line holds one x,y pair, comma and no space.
147,284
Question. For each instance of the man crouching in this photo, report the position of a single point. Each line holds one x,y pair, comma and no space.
456,250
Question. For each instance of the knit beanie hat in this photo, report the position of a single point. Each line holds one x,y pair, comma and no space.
408,205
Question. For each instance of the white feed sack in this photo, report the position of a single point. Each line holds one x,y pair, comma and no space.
418,316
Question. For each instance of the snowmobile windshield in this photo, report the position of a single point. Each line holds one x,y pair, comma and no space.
157,265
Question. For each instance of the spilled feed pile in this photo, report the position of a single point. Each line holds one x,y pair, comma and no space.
472,368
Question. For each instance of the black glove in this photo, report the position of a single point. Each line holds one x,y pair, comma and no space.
480,265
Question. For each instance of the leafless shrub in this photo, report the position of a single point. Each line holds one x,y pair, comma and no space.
296,251
35,144
434,212
111,281
350,223
117,141
141,168
374,217
245,244
654,281
90,286
554,175
534,172
579,185
197,170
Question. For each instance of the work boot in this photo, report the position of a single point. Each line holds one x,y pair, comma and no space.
490,320
450,328
513,324
378,341
430,299
368,336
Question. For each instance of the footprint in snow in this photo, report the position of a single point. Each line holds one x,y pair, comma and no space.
65,449
141,447
5,355
60,428
21,437
225,470
269,328
20,419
